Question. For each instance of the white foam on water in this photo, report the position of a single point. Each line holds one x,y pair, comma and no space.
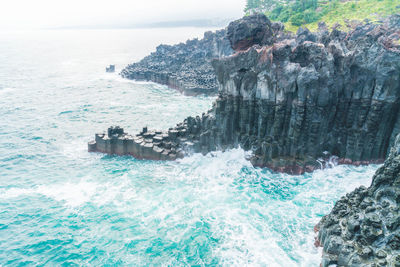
74,149
211,180
72,194
222,192
337,181
216,165
119,78
256,243
6,90
14,192
248,243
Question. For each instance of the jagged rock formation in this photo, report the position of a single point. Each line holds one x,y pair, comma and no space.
315,92
363,229
293,99
185,66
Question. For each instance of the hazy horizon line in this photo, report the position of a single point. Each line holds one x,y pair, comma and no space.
196,23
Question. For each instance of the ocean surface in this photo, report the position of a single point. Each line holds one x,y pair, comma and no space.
60,205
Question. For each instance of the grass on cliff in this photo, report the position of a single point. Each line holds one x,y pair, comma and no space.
308,13
359,10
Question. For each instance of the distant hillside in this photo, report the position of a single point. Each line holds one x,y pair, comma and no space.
296,13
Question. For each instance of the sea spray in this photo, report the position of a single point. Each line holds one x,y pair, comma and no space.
62,205
213,209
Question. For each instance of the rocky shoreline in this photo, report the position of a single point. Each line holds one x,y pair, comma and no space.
185,66
363,229
299,102
294,99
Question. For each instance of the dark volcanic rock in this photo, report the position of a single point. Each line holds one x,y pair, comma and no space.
254,30
363,229
249,31
303,98
151,145
185,66
326,91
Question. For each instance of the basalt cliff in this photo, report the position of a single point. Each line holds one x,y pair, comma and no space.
363,229
185,66
292,99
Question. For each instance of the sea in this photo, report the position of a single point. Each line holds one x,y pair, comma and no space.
63,206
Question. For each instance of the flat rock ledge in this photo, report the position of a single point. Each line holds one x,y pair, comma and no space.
363,228
150,145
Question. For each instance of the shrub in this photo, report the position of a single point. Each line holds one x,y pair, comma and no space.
297,19
275,13
284,16
309,16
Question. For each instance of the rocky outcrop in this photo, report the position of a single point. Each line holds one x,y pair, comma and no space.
304,97
185,66
152,145
363,229
327,91
254,30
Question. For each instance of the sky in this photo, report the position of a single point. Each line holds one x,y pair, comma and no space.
24,14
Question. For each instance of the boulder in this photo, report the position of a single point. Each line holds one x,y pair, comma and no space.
250,30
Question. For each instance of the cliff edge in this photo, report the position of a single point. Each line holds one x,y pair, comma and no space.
363,229
293,100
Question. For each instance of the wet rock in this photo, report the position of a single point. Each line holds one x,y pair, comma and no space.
334,245
145,145
344,255
92,146
115,131
366,252
381,254
353,224
396,261
370,237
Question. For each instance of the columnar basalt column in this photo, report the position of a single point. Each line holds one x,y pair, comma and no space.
293,99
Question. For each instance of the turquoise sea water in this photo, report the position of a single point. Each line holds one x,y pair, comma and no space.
60,205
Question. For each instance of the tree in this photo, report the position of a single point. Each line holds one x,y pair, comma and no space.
252,5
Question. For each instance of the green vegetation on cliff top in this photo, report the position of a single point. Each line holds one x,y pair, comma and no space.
308,13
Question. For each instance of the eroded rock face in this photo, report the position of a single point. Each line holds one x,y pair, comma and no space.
363,229
326,91
185,66
304,97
